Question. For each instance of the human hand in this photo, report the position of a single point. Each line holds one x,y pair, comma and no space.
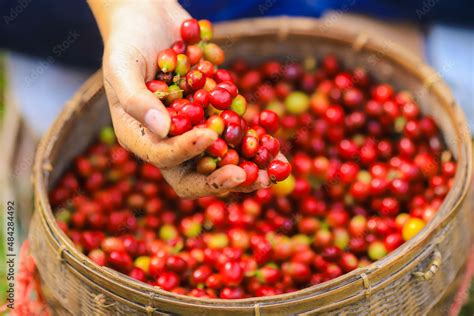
134,32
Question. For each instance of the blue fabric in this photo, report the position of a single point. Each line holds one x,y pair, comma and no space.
450,51
455,11
44,27
36,27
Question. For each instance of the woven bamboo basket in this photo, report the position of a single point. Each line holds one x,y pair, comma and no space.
409,281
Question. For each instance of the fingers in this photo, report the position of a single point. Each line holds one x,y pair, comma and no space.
225,178
147,109
281,157
164,153
173,151
263,180
170,154
189,184
125,72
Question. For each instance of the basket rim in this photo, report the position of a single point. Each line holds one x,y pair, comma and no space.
282,27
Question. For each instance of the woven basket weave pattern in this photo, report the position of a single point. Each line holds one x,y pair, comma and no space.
410,281
406,295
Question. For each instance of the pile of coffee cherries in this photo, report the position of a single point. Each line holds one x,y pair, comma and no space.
198,94
369,170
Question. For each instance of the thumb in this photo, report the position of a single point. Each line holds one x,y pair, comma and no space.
125,72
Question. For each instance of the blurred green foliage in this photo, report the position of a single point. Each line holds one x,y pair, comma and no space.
468,308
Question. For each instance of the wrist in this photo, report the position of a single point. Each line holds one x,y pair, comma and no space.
110,14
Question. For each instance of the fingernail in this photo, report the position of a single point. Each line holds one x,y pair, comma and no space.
264,181
157,122
230,183
234,181
239,178
204,138
266,184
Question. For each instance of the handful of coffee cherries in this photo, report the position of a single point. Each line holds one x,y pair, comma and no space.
198,94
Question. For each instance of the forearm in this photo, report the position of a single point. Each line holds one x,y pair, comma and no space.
110,13
103,10
154,24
